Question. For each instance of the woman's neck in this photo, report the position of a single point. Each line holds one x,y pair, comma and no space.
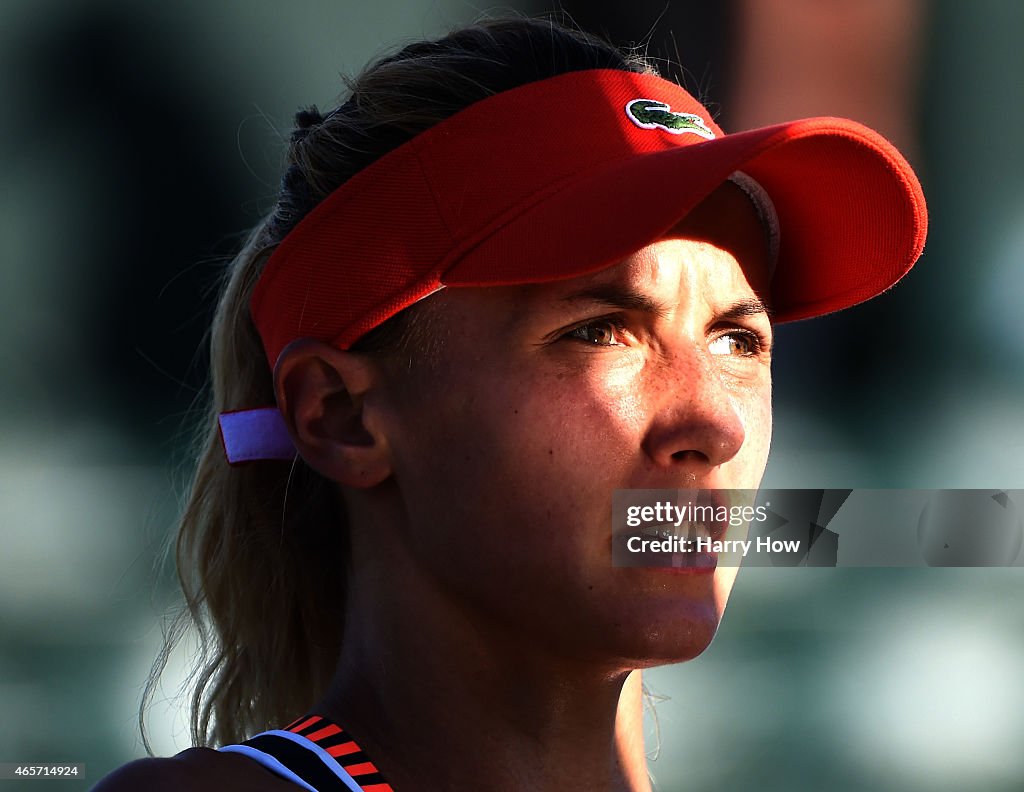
441,702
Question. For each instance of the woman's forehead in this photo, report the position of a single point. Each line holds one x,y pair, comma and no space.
658,281
729,220
720,248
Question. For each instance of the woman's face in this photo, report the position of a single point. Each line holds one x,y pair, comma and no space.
546,398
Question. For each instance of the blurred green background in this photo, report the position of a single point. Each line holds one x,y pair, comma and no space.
137,140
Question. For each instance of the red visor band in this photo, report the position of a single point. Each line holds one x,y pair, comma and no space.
569,175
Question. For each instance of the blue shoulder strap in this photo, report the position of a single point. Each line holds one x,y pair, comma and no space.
315,754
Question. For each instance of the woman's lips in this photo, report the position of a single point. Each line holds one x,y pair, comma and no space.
687,537
632,547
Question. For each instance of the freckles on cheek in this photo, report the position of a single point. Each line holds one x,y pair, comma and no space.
595,417
755,410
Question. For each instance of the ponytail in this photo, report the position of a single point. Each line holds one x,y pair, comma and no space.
261,552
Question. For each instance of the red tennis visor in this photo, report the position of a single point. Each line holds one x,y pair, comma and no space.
569,175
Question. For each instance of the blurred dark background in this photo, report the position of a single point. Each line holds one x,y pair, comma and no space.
138,141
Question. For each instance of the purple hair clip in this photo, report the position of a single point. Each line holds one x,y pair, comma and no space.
249,435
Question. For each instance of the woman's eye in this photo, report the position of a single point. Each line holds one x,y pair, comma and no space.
735,344
601,332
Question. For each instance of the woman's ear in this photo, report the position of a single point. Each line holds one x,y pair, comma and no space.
320,391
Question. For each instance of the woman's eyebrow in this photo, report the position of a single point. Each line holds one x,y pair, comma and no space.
751,306
626,298
618,296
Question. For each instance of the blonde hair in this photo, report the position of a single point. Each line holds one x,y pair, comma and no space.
261,549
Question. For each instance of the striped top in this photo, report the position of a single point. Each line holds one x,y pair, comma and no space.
317,755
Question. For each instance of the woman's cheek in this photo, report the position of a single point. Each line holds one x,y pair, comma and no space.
757,420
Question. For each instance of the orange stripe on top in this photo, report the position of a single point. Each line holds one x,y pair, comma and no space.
360,769
308,722
343,749
326,731
330,729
